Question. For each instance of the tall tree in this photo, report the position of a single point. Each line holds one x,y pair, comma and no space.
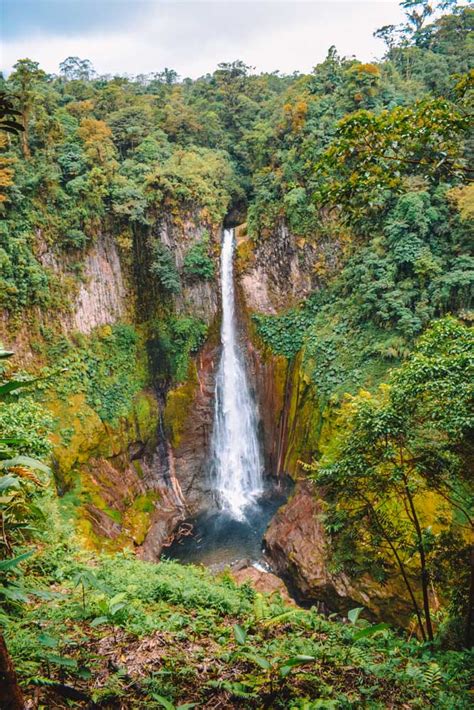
24,79
398,449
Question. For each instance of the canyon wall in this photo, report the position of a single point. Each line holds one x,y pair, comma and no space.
129,481
274,275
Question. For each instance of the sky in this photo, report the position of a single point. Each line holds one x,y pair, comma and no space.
190,36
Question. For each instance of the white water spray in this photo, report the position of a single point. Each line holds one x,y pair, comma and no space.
235,450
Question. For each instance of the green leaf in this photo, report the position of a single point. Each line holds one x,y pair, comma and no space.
291,663
99,620
354,614
62,661
287,615
47,640
9,482
166,703
46,594
6,565
259,660
370,631
240,634
14,593
13,385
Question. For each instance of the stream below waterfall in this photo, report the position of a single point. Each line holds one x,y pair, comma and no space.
218,539
244,501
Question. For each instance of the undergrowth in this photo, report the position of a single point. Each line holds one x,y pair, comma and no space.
106,366
118,632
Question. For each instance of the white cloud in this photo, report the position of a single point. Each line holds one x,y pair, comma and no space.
193,37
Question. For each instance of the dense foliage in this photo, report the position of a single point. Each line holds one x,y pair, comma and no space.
105,367
399,454
161,635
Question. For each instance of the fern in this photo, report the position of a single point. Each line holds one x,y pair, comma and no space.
261,610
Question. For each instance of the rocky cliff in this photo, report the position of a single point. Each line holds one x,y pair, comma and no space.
131,480
274,275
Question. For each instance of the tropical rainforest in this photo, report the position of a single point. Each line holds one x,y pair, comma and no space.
350,191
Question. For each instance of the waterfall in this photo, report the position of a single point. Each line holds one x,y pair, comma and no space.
235,450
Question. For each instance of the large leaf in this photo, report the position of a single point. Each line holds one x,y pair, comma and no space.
288,665
286,616
13,385
240,634
47,640
163,701
25,461
354,614
259,660
116,603
61,660
9,482
6,565
99,620
14,593
371,631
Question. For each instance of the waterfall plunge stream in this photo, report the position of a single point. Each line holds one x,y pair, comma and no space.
235,450
245,505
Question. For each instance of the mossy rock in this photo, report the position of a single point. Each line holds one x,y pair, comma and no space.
87,436
85,430
179,402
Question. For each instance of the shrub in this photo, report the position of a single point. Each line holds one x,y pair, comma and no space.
198,263
164,268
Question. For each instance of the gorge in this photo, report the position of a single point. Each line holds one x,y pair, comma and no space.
241,501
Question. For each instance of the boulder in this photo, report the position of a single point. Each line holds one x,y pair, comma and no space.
297,545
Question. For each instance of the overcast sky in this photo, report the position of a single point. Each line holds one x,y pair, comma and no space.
190,36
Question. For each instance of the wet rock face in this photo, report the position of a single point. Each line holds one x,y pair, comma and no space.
280,273
297,546
189,414
272,385
101,298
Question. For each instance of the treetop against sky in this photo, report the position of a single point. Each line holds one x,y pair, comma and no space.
191,36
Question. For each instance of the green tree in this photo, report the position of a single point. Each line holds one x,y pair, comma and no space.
371,155
76,69
398,450
25,78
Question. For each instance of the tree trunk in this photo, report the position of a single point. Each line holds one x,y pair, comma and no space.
11,697
470,608
401,567
25,136
425,578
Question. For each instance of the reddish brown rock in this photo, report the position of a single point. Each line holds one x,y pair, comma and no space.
297,545
188,419
262,581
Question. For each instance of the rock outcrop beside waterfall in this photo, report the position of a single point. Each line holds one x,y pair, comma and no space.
299,550
135,480
274,274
